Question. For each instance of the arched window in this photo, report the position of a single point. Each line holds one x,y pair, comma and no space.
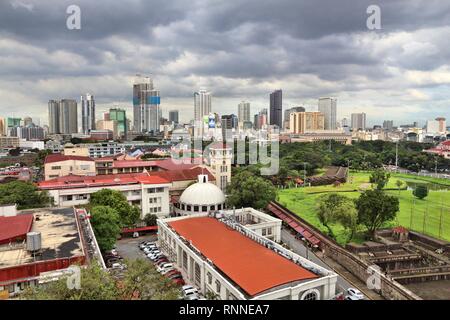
312,294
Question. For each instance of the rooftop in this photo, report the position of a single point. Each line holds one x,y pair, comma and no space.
59,237
75,181
14,227
56,157
253,267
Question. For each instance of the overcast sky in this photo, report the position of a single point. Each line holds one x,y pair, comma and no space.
236,49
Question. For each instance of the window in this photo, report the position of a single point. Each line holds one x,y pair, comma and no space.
212,208
263,231
312,294
197,274
218,286
204,208
195,208
219,207
188,208
185,260
56,167
269,230
209,276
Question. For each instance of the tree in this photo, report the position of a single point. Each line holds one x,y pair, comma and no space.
129,214
247,190
420,192
399,184
150,220
347,216
25,194
106,224
380,178
333,207
375,208
142,281
96,284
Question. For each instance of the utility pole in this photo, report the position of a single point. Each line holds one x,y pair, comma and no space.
396,156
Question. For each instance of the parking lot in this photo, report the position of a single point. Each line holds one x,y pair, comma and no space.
128,248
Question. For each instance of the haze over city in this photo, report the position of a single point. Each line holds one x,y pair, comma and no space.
238,51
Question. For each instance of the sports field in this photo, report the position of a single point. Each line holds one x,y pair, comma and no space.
429,216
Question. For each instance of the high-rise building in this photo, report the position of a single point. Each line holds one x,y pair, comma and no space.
202,104
87,113
30,132
261,119
388,124
301,122
146,105
2,127
68,116
173,116
358,121
244,112
441,124
287,115
53,116
63,116
328,107
107,125
119,115
276,108
27,121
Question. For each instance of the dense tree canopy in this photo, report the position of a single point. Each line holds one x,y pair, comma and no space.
129,214
375,208
248,190
106,224
25,194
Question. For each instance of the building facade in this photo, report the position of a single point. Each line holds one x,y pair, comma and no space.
173,116
328,107
87,113
276,108
358,121
58,165
146,105
301,122
244,112
63,116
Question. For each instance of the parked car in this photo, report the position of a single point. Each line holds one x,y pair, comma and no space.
189,287
178,281
173,272
355,293
164,266
351,298
164,271
161,260
190,293
154,255
118,266
174,276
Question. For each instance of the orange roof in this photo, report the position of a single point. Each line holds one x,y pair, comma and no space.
56,157
250,265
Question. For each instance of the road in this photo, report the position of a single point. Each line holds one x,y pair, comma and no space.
298,247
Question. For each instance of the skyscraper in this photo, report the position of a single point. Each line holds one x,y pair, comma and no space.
328,107
63,116
68,116
202,104
146,101
301,122
87,113
120,116
358,121
173,116
287,114
276,108
388,124
244,112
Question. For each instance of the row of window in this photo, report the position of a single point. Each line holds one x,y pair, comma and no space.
155,190
155,209
188,207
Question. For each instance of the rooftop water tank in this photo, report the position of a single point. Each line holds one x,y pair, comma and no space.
34,241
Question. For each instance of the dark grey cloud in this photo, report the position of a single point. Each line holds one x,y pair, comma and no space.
235,48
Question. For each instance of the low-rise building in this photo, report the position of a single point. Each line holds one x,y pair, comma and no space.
229,260
59,165
149,193
9,142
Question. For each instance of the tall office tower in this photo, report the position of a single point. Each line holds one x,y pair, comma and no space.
244,112
202,104
2,127
146,101
68,116
173,116
27,121
53,117
344,122
328,107
358,121
87,113
12,123
442,124
261,119
119,115
287,115
301,122
388,124
276,108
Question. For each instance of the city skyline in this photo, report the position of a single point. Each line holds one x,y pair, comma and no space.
401,69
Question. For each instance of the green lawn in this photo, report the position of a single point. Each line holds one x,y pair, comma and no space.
426,214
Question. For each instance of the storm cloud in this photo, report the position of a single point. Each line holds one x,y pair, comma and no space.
236,49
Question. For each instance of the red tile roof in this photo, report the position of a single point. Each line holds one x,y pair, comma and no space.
183,174
166,164
56,157
74,181
15,227
250,265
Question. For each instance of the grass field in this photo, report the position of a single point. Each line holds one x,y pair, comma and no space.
430,216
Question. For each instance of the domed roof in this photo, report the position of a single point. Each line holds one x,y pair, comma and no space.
202,193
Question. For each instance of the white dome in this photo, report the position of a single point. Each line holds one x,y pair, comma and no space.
202,193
